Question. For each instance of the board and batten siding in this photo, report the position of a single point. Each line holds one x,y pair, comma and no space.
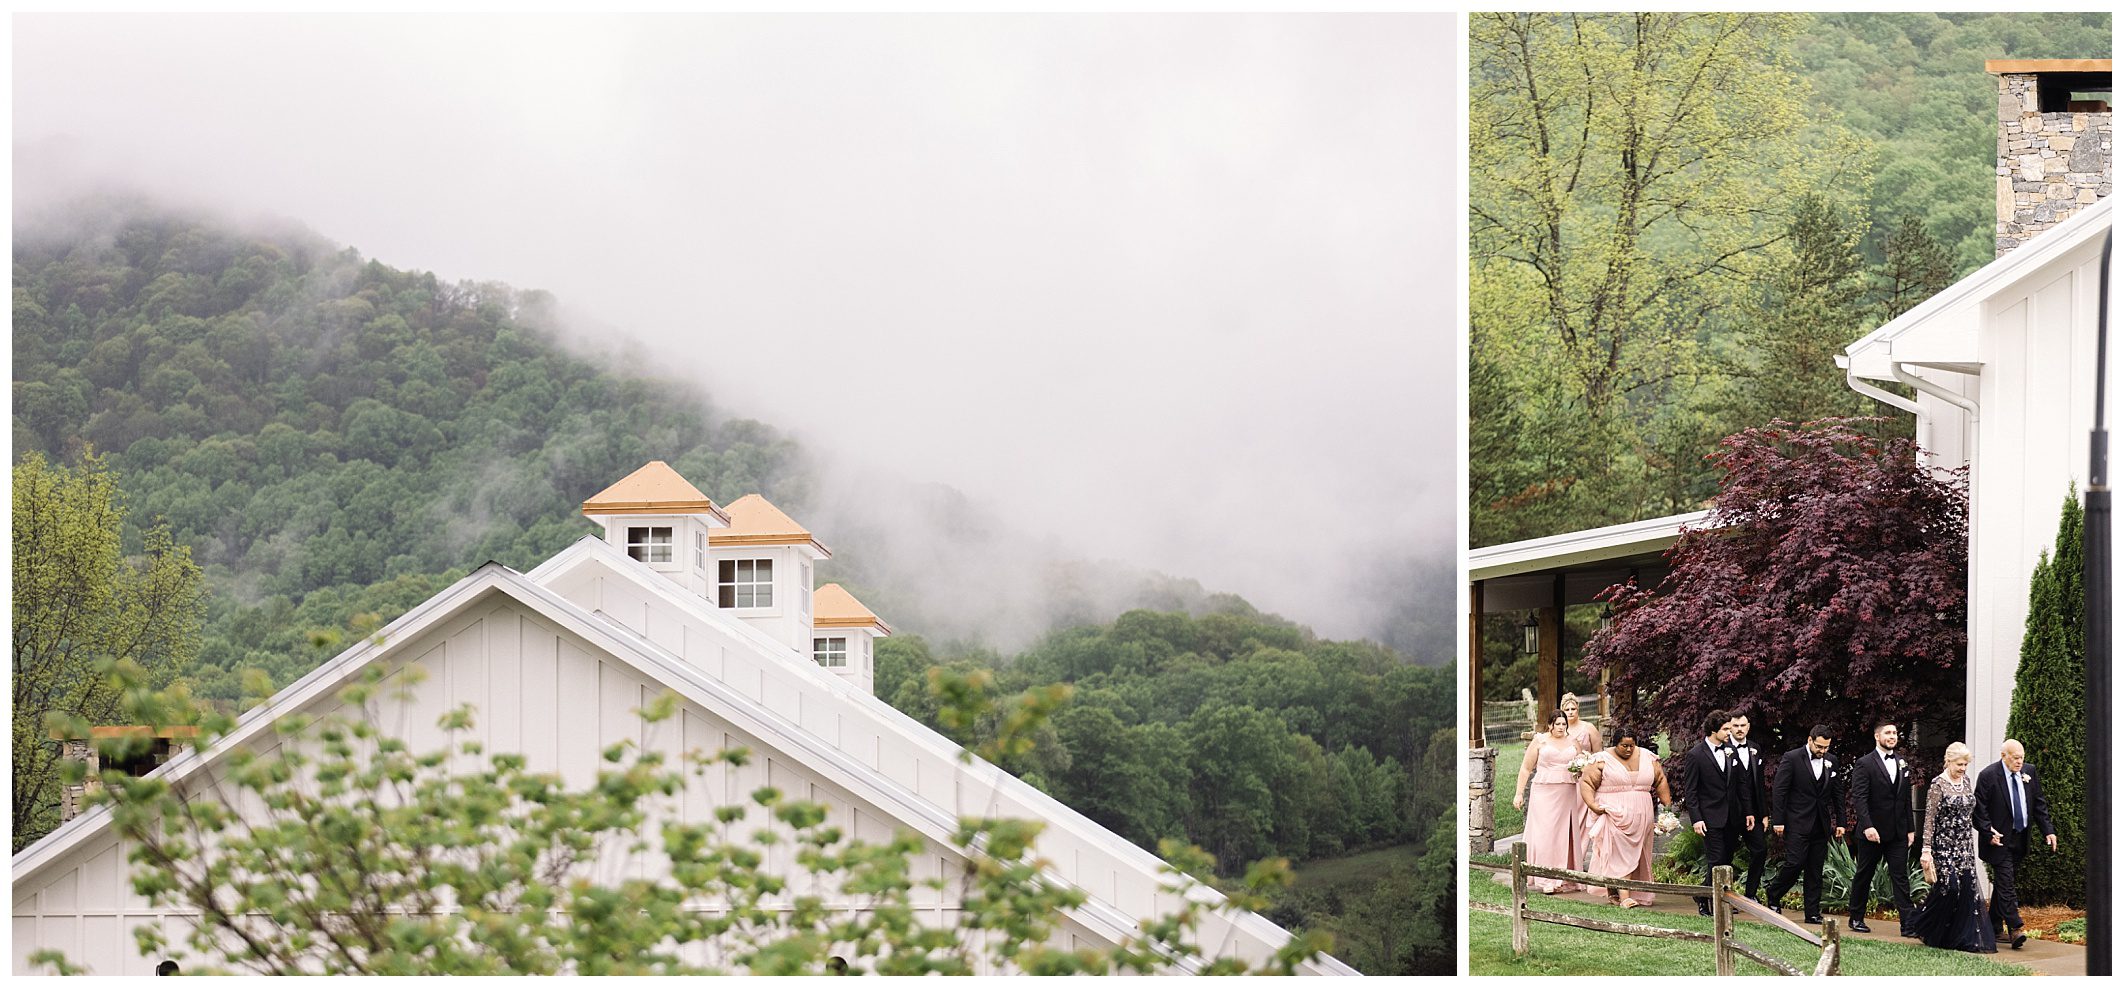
2035,398
536,689
883,740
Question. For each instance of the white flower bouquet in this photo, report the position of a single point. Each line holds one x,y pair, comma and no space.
1666,822
1578,764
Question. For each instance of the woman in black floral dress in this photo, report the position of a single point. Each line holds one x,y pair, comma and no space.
1957,905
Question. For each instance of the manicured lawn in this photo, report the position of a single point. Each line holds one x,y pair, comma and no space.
1566,950
1364,865
1509,820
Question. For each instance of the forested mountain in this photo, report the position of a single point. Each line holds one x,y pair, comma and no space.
1914,85
1248,736
335,439
1676,221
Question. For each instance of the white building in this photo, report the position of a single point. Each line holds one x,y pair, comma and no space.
2003,365
556,662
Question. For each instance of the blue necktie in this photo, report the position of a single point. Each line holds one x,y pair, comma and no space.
2013,789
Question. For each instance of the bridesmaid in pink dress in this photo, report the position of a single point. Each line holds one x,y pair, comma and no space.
1555,814
1617,790
1582,734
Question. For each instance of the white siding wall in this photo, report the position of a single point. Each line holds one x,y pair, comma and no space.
560,700
883,740
2036,396
515,668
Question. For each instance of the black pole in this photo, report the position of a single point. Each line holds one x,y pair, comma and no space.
2097,627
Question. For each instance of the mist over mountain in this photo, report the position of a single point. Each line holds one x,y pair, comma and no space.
1164,291
334,437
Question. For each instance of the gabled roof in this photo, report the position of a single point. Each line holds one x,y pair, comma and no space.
1941,332
756,521
694,684
655,489
834,607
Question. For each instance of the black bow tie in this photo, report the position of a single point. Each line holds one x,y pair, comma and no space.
1887,758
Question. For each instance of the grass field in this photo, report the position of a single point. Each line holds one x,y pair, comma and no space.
1509,820
1566,950
1362,866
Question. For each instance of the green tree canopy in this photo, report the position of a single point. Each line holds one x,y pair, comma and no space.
84,608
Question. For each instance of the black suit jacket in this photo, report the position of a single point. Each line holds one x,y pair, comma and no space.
1803,805
1707,789
1753,783
1994,804
1890,808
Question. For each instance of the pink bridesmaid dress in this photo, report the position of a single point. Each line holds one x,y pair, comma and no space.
1555,815
1619,842
1581,734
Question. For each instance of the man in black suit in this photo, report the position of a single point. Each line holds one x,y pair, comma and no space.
1757,835
1717,800
2009,804
1883,806
1806,809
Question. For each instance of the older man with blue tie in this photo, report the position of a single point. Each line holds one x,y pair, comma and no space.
2009,806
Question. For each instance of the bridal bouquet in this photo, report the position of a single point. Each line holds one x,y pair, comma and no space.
1578,764
1666,823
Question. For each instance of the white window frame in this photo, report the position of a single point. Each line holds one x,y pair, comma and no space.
700,551
753,577
645,550
825,649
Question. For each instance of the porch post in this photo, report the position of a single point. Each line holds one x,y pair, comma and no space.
1475,664
1548,675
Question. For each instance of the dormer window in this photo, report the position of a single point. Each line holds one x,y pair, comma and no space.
745,583
649,543
830,652
700,550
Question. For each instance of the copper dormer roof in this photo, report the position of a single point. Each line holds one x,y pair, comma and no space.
655,489
755,521
833,607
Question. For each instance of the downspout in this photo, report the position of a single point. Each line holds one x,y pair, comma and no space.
1889,398
1967,405
1969,448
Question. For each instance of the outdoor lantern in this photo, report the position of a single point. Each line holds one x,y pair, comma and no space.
1530,635
1607,619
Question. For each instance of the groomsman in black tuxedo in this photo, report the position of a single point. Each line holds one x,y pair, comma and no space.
1757,835
1716,796
1884,808
1806,809
2009,809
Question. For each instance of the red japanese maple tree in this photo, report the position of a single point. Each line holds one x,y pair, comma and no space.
1828,585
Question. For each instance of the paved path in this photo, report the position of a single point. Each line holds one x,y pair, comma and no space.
2042,956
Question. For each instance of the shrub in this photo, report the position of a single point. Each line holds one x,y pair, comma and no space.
2049,711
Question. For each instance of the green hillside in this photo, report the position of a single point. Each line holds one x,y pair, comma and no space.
334,438
1914,84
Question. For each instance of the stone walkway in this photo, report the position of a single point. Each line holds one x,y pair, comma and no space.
2041,956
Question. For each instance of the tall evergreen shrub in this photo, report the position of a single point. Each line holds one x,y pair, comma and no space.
2049,714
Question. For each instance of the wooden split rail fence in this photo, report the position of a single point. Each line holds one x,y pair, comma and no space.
1724,903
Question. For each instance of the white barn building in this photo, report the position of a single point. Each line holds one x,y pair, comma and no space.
556,663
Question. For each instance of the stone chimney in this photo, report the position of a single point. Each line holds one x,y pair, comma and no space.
161,746
2054,142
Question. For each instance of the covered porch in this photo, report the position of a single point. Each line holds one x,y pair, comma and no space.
1542,578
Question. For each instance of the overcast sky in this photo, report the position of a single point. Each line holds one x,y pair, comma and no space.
1174,290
